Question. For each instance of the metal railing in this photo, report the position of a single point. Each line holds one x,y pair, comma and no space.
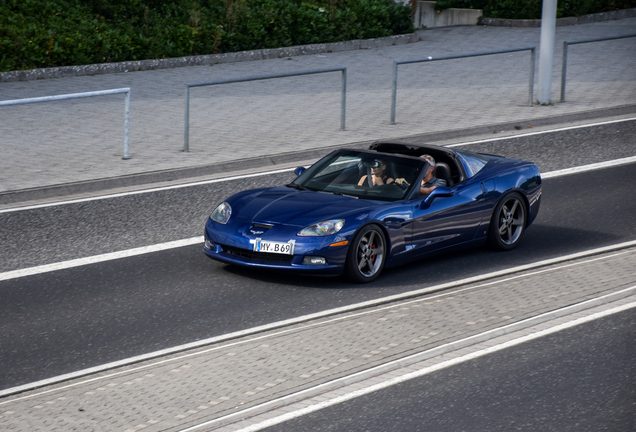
83,95
186,137
430,59
564,67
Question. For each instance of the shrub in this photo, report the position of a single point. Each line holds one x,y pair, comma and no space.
44,33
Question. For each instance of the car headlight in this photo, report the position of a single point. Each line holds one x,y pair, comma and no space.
322,228
222,213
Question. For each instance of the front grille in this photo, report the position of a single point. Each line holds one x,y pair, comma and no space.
262,257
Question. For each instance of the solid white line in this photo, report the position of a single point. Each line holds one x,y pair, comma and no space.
541,132
428,370
14,274
123,194
591,167
143,191
297,320
185,242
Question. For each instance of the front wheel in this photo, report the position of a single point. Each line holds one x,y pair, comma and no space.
508,222
366,255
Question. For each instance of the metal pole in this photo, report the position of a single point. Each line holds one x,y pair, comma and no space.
564,69
127,127
394,93
531,86
343,108
546,53
186,132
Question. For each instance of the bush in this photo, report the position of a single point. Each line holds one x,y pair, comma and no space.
531,9
46,33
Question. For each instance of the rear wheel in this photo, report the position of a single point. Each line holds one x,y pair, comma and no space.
508,222
366,255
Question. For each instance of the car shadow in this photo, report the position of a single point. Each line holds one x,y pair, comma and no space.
541,242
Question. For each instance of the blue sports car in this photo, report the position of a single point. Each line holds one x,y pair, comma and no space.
356,212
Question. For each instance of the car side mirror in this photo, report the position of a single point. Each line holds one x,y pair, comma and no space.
298,171
441,191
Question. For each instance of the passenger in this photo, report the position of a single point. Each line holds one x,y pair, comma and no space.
379,176
429,182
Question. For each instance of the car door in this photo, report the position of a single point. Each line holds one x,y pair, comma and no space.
448,219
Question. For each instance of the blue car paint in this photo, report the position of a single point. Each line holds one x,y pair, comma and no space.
414,228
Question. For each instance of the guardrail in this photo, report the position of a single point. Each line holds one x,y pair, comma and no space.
186,137
430,59
565,56
83,95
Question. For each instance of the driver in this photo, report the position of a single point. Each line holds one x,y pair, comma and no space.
379,177
429,182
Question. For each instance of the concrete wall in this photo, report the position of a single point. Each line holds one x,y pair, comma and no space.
426,16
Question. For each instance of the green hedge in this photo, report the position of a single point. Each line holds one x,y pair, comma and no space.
46,33
531,9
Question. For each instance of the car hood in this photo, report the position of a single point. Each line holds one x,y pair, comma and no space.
283,205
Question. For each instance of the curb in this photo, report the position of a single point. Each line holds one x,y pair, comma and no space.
204,60
268,162
583,19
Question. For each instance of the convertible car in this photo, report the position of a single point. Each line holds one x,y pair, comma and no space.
332,220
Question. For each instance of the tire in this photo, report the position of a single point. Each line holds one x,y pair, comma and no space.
508,222
366,255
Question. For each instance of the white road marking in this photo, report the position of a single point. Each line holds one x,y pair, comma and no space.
542,132
425,371
30,271
591,167
143,191
297,320
203,182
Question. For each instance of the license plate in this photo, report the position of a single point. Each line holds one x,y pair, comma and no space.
274,247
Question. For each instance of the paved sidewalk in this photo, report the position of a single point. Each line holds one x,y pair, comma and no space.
57,143
235,377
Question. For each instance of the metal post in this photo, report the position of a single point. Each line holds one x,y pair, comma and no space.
564,69
84,95
186,132
546,53
343,106
127,127
566,44
394,92
531,84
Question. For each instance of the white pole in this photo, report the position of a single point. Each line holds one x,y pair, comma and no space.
546,53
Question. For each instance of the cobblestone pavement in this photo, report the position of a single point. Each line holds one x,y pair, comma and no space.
175,392
63,142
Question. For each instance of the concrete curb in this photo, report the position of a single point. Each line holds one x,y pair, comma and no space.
271,162
211,59
584,19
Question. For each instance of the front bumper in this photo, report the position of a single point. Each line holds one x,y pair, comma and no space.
233,249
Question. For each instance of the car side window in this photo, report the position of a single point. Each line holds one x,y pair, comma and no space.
473,162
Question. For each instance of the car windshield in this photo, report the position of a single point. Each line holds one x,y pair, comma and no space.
347,172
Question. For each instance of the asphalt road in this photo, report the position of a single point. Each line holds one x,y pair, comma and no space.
582,379
67,320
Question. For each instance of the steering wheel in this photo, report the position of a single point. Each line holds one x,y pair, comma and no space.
404,185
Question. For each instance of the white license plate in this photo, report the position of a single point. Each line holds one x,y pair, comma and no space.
274,247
